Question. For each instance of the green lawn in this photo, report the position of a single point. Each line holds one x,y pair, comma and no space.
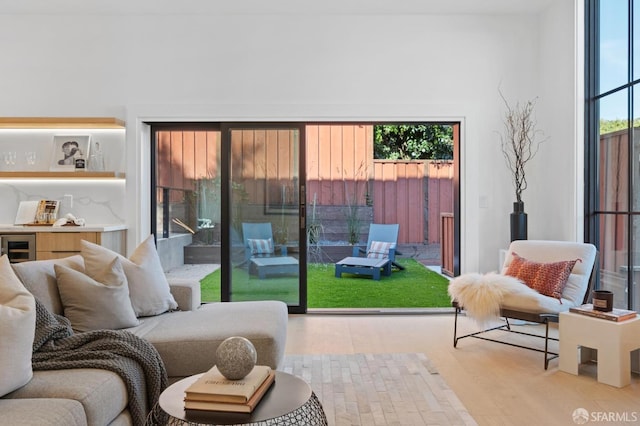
415,287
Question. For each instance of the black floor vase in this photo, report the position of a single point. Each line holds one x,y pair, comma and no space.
518,222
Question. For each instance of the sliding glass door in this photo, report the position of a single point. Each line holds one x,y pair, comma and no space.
229,202
263,234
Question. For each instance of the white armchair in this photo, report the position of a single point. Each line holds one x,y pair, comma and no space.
538,263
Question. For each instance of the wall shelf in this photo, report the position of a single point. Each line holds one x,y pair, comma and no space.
61,175
61,123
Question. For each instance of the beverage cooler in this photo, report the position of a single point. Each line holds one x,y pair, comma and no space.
19,247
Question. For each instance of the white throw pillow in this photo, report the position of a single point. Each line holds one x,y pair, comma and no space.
379,250
148,286
17,329
260,247
96,304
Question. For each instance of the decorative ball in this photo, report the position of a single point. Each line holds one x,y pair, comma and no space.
236,357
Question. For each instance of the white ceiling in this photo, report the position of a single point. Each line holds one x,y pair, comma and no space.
262,7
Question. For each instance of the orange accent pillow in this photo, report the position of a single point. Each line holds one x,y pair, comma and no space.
546,278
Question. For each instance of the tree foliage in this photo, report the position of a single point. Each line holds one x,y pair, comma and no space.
413,142
610,126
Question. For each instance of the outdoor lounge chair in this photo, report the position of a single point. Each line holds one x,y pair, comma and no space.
531,306
380,253
260,252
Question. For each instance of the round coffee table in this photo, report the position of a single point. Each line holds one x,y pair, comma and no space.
289,401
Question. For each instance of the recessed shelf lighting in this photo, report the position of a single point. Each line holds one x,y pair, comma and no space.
57,123
60,175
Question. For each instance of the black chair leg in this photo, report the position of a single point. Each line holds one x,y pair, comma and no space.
455,327
548,356
546,345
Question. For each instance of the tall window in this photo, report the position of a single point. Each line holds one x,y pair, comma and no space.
613,144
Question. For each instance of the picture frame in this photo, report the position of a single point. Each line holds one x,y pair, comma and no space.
281,198
66,149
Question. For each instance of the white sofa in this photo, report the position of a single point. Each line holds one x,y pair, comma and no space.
186,340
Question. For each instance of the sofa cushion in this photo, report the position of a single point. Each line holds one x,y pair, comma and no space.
536,304
102,393
39,278
17,327
186,292
148,286
42,412
97,304
187,341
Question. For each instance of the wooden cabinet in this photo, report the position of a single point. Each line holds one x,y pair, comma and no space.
55,245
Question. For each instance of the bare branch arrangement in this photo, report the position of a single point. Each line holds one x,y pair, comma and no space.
520,141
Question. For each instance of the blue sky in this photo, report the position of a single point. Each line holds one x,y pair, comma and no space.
614,32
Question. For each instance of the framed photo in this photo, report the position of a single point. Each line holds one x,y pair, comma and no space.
281,198
67,149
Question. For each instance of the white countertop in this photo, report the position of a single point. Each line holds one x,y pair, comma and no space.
8,229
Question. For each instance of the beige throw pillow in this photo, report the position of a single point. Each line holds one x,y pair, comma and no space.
96,304
148,286
17,328
39,278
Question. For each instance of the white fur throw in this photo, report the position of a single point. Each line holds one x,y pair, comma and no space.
481,295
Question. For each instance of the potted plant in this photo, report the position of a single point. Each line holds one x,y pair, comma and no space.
520,143
314,226
353,220
353,194
281,227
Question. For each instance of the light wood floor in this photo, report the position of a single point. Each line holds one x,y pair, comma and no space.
498,384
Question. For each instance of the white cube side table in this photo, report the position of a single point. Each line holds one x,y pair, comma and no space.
613,340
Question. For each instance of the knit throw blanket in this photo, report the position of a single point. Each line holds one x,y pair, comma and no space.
138,363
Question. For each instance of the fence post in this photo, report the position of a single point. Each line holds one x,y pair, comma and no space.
446,243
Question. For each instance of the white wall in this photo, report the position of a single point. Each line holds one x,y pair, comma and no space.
307,66
559,208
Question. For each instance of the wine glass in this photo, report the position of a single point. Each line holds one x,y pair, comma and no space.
10,159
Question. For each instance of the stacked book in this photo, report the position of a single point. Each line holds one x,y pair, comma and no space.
213,392
614,315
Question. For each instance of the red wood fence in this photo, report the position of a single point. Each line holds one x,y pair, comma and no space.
340,171
614,167
447,235
413,194
339,163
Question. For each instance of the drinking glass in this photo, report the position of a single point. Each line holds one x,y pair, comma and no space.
30,157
